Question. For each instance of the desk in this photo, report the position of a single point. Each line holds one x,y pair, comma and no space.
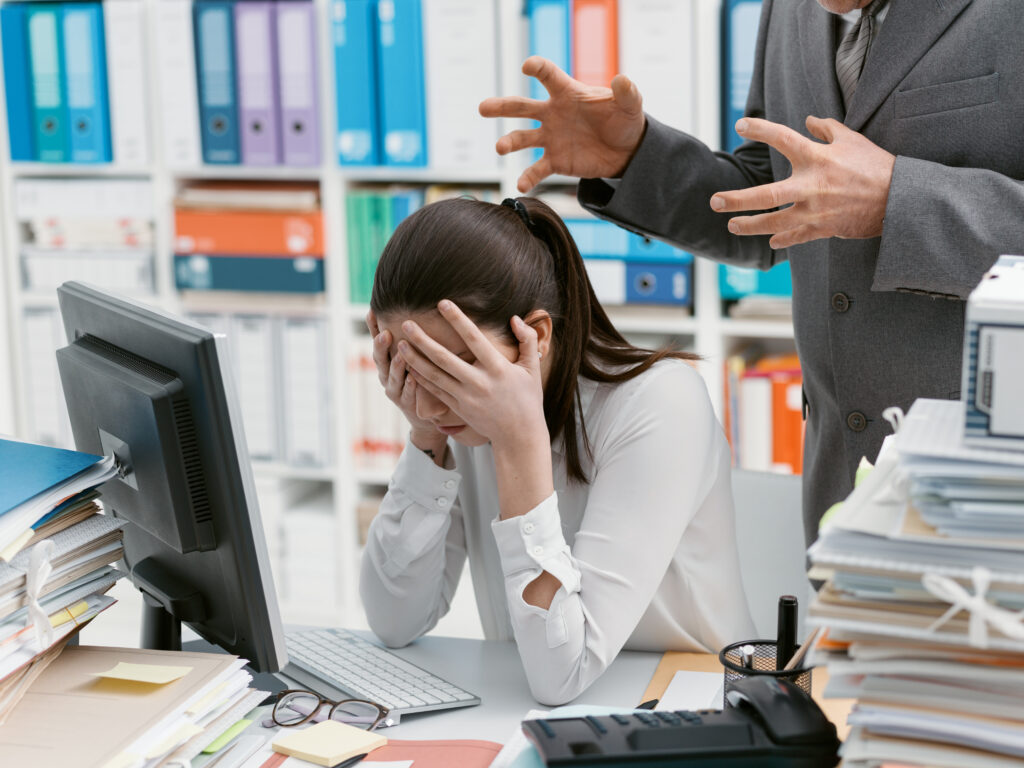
493,671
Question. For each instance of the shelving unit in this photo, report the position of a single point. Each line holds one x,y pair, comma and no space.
704,331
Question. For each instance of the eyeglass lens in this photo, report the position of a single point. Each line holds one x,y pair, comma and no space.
360,714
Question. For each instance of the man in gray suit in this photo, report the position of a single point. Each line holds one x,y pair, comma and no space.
886,147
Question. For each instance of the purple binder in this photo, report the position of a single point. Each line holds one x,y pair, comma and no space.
296,70
256,54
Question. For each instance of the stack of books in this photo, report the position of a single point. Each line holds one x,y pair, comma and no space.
925,587
232,236
56,551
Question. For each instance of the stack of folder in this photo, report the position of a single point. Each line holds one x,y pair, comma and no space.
923,600
249,237
56,551
98,230
127,708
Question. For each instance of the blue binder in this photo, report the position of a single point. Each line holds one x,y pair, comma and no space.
271,274
550,37
353,34
49,105
740,19
85,69
737,282
659,283
215,75
402,92
14,43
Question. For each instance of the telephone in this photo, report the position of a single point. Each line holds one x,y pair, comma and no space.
770,724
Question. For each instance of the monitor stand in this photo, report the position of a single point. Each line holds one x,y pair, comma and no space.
166,603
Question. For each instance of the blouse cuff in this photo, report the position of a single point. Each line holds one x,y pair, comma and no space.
428,485
533,542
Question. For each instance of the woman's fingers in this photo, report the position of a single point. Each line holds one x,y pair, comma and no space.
529,355
381,343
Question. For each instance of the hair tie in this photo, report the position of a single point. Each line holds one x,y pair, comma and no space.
517,205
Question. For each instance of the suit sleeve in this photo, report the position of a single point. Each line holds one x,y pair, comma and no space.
944,227
666,190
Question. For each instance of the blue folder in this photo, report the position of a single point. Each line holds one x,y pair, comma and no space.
354,36
215,74
27,470
737,282
49,104
740,19
273,274
402,92
14,31
550,37
85,68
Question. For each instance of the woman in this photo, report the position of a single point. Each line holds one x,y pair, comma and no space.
586,480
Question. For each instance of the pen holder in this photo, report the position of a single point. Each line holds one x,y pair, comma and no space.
762,663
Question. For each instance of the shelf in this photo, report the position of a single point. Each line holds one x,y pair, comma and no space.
231,172
287,471
72,170
246,302
373,476
395,175
639,319
757,328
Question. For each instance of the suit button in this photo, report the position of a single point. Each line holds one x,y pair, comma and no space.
840,302
857,421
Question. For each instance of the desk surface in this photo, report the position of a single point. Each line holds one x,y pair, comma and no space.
493,671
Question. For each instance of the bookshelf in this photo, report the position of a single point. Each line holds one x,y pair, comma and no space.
334,490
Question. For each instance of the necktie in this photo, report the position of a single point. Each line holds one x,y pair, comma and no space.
853,49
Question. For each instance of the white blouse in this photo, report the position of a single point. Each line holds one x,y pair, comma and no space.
646,552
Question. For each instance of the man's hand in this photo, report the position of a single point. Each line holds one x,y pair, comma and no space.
838,189
584,130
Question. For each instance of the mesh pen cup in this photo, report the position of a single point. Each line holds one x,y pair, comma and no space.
762,663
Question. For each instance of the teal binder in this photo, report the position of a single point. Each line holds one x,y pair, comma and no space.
85,70
49,105
215,70
16,81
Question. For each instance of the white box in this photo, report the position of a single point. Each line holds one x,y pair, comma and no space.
993,367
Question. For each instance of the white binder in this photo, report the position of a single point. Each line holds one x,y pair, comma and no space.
126,78
253,341
460,40
306,392
658,51
179,104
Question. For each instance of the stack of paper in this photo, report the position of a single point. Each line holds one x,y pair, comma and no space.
127,708
923,600
55,556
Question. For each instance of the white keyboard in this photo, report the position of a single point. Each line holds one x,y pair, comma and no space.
360,669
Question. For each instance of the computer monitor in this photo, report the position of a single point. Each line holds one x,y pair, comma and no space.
156,391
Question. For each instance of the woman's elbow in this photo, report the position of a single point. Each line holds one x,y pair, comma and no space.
553,690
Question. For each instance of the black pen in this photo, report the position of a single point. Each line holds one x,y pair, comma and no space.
351,761
785,640
649,704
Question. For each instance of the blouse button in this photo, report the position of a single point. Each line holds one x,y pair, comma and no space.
528,528
538,551
449,484
441,501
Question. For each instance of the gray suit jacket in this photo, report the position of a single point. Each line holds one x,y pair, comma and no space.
878,322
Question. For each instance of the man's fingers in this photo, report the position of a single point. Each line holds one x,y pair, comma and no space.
759,198
626,94
516,140
511,106
535,174
763,223
826,129
547,73
801,234
785,139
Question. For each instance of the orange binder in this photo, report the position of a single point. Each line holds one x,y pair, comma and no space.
595,41
249,233
787,420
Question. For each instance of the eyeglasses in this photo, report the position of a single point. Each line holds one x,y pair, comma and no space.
295,707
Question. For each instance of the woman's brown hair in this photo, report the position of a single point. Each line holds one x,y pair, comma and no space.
497,261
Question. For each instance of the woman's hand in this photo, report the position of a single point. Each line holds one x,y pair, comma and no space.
500,399
392,372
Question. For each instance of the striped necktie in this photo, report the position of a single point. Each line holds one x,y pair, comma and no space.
853,49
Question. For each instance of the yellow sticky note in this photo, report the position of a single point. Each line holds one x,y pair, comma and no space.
16,546
327,743
154,674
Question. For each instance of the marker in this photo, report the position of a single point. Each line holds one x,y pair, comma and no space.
785,639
